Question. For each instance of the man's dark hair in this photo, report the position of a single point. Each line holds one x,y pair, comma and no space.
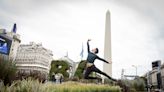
97,50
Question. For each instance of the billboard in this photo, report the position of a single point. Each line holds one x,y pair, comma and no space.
5,44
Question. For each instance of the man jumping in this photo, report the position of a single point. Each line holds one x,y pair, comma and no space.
90,67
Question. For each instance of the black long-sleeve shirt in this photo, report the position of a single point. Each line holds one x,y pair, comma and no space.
91,56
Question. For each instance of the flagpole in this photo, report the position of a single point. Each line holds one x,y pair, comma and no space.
82,51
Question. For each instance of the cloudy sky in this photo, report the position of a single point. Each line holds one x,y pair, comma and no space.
63,25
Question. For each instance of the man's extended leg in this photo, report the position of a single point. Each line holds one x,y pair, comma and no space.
87,72
100,72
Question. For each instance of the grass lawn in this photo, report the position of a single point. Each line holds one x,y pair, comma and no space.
35,86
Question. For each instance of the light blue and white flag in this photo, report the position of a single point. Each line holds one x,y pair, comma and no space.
82,51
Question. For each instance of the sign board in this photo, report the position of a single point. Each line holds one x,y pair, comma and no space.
5,44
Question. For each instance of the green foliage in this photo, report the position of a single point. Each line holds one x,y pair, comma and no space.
35,74
35,86
28,85
55,68
139,84
135,85
80,69
108,81
125,85
7,71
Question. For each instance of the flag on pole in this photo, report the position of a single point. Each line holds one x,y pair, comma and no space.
14,28
82,51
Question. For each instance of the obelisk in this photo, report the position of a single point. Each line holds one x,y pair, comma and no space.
107,68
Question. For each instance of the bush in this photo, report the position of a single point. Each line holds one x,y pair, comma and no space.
7,71
125,85
139,84
35,74
35,86
79,74
135,85
55,68
28,85
80,69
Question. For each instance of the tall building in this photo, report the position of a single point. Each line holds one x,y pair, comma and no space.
9,43
107,68
155,77
33,58
162,75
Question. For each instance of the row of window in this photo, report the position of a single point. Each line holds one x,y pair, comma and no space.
33,68
33,56
33,62
35,51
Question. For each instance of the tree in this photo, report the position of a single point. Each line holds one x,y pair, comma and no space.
7,71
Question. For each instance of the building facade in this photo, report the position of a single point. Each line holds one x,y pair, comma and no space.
29,58
152,78
33,58
9,38
14,46
162,75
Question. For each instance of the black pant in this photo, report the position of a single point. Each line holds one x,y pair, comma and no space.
95,69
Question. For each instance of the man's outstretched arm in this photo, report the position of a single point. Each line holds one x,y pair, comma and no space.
88,47
102,60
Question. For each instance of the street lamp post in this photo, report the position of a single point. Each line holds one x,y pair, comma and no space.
135,68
